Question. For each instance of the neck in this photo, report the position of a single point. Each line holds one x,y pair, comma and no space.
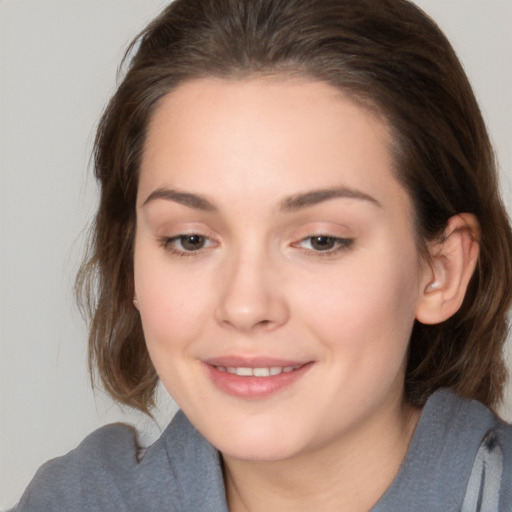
350,473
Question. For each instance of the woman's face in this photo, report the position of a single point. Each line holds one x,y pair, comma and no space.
276,270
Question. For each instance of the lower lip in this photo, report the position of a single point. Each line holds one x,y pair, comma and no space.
254,387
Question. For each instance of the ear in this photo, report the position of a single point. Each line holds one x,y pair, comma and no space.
135,302
452,263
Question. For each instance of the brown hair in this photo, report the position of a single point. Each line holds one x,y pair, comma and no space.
387,55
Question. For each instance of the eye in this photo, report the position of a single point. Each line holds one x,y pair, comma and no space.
186,244
191,242
324,243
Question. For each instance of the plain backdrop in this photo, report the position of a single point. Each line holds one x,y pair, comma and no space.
58,62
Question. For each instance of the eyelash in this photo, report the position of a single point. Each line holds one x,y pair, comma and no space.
340,245
168,243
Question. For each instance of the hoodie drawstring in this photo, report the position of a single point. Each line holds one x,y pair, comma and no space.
483,491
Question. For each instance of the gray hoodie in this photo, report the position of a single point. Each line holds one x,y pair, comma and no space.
459,459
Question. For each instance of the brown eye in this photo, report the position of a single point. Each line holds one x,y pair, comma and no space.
192,242
323,243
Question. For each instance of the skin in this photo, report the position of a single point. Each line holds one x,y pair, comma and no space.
222,160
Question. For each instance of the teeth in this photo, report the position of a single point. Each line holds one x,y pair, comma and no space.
261,372
257,372
244,372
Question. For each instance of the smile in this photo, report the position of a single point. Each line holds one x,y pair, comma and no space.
254,379
258,372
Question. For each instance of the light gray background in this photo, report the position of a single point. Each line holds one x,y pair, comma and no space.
58,62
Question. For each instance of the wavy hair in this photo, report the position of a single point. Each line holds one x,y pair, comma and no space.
388,56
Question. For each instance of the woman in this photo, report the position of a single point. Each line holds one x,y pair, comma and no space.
299,234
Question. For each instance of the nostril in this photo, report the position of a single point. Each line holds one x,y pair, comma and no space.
262,323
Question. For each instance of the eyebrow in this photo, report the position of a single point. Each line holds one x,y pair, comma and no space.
290,204
307,199
184,198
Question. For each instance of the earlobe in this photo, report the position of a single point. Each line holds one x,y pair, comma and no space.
452,263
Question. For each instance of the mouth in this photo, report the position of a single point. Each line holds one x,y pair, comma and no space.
263,372
254,379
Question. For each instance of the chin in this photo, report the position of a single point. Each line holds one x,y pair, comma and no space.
257,451
257,442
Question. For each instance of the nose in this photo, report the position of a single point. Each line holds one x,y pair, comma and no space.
251,297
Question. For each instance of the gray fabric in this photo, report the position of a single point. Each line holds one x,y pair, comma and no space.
435,473
182,472
483,491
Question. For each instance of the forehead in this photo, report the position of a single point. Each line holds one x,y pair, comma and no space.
266,135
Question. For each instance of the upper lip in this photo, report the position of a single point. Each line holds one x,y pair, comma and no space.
252,362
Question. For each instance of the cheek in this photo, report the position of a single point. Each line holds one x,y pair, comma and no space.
364,311
171,302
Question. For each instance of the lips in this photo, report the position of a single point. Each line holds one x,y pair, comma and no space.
254,378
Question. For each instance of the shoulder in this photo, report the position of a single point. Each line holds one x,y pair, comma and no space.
490,481
481,444
454,447
107,472
101,461
504,443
